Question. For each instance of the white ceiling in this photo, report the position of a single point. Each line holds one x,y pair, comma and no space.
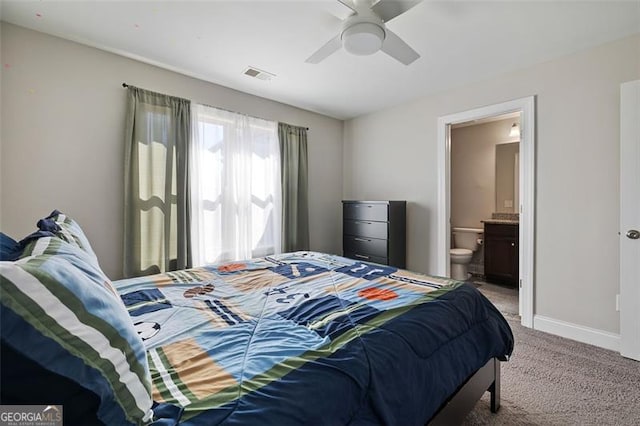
460,42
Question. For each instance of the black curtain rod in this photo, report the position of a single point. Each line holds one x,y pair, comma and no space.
125,85
293,125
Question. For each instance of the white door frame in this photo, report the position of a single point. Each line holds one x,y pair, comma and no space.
526,107
629,219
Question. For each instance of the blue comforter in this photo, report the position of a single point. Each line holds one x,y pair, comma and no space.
310,338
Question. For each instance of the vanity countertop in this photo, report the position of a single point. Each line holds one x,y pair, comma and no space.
501,221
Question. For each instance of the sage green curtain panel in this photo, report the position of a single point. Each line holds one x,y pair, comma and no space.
295,192
156,204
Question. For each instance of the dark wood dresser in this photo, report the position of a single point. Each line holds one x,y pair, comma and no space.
375,231
501,253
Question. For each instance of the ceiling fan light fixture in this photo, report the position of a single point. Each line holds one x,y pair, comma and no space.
363,38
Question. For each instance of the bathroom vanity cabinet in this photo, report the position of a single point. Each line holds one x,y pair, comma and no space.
375,231
501,252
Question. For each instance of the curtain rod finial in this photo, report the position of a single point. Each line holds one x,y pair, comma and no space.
125,85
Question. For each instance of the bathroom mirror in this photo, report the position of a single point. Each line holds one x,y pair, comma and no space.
507,177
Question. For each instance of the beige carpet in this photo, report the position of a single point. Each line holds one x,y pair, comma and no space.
555,381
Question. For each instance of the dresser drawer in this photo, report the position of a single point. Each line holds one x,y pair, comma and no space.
364,228
367,258
364,245
364,211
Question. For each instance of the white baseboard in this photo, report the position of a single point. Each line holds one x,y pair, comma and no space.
580,333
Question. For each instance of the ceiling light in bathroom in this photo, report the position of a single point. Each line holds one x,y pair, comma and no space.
515,130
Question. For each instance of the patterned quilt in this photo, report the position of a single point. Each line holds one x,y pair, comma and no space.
310,338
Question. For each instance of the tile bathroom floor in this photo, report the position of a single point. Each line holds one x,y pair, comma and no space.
505,298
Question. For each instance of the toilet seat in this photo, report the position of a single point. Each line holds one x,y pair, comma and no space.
460,252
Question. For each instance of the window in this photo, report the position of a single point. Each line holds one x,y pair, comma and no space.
235,186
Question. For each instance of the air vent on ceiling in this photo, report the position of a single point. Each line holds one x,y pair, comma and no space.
258,73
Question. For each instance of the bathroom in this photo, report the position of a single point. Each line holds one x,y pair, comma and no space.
485,174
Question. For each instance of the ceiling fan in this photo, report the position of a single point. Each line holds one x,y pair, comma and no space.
364,31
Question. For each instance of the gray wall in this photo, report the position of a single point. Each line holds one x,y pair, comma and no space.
392,154
63,111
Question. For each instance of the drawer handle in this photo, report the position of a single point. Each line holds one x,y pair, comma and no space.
364,223
364,240
513,244
362,205
362,257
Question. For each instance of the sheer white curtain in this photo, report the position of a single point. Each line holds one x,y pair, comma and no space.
235,186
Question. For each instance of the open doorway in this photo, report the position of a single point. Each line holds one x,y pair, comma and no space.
484,201
525,109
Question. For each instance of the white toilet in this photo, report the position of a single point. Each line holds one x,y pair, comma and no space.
465,241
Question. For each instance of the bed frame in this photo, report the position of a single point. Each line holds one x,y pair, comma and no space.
454,411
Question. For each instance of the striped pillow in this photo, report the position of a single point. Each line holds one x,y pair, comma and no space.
58,310
68,230
84,261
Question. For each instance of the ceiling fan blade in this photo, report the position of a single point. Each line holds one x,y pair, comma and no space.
395,47
338,9
330,47
389,9
350,4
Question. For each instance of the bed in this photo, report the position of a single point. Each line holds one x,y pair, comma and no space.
293,338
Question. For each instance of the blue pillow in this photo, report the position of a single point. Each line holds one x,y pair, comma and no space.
58,309
9,248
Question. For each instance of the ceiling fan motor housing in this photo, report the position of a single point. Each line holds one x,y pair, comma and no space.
363,36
